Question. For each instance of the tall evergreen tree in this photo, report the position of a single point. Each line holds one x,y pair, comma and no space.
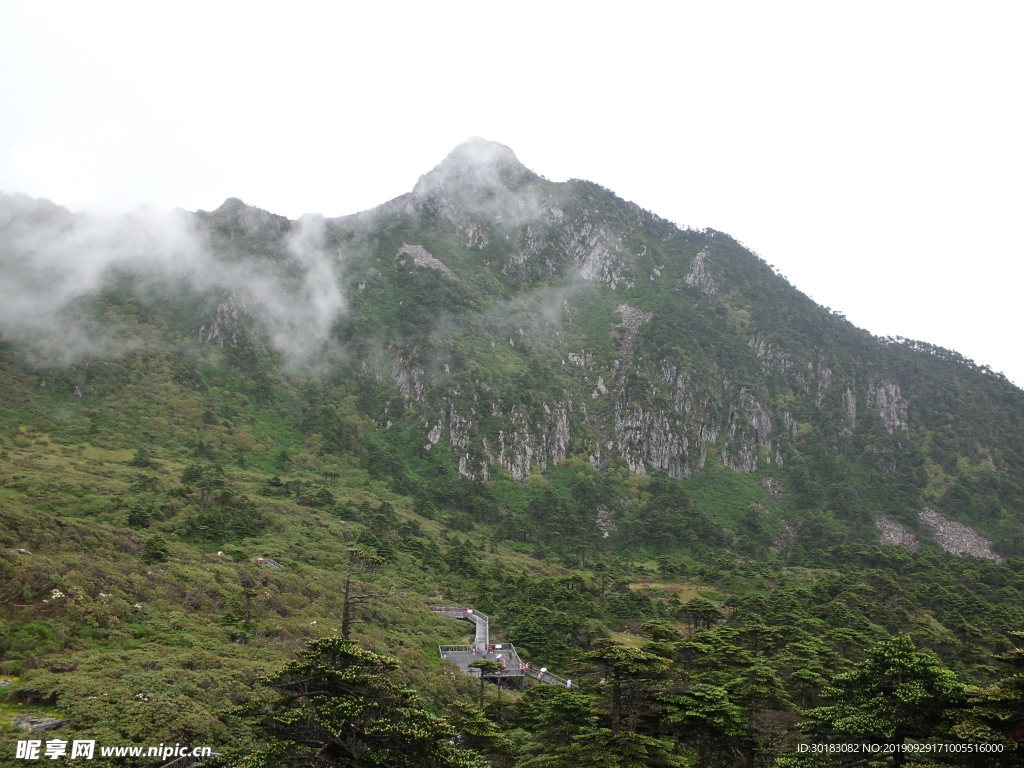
895,695
338,705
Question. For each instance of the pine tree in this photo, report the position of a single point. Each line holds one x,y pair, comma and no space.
896,694
339,705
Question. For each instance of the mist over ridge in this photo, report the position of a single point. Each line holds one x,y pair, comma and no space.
54,261
273,270
289,276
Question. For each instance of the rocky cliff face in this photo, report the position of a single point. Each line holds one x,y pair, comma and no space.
699,275
230,319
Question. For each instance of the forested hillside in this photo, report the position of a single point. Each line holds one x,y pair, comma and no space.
239,453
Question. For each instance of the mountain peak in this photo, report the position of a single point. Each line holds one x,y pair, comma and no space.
231,206
479,151
476,163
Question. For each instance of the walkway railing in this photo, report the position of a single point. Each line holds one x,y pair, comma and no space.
463,656
506,654
458,612
480,620
545,677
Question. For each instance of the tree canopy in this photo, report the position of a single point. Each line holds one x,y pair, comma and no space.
339,705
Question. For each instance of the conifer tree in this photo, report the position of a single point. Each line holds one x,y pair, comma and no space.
896,694
339,705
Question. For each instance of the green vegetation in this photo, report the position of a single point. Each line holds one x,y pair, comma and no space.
663,486
336,705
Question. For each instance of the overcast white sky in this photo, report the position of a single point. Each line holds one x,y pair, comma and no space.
872,151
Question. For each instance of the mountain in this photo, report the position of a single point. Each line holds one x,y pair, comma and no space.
520,322
498,384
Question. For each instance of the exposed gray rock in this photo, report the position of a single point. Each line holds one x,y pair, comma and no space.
774,487
668,425
625,333
647,436
523,442
476,236
660,438
33,723
824,376
886,399
850,407
421,257
545,443
957,538
772,358
230,319
532,242
786,537
596,253
605,522
409,380
700,275
892,532
433,436
750,427
740,456
788,426
632,318
665,422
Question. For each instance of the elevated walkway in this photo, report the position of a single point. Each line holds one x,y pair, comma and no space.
481,648
476,618
545,677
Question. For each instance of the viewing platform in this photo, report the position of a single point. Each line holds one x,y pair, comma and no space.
503,653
